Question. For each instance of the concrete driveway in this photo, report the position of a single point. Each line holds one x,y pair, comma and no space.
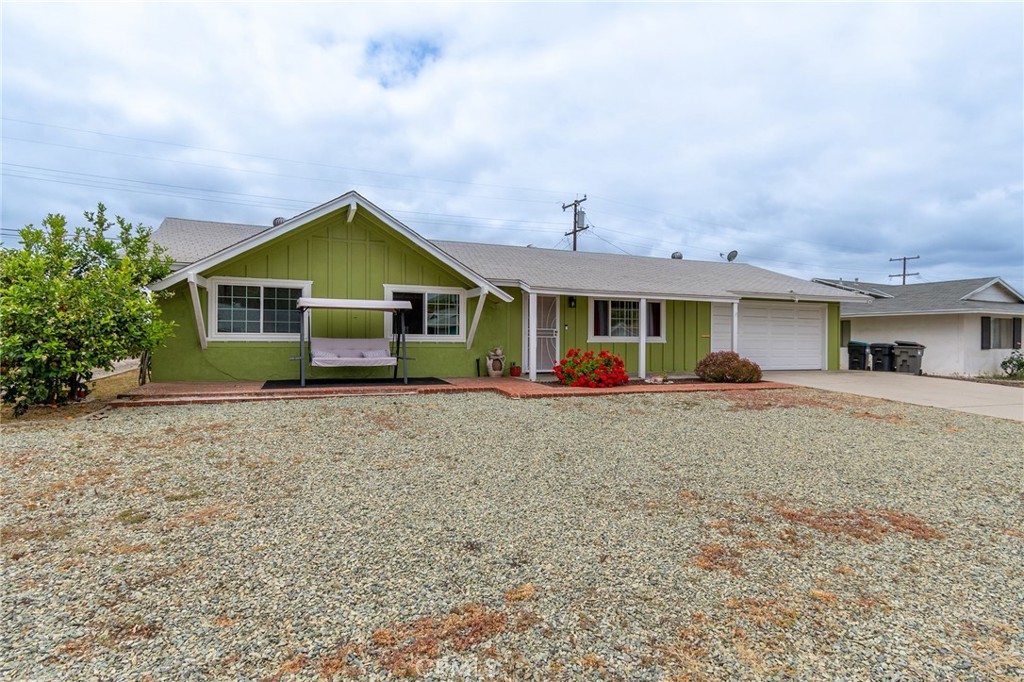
1005,402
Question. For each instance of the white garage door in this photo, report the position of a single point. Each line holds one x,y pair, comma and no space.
783,335
776,336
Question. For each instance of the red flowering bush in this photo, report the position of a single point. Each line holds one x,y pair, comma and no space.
580,368
728,367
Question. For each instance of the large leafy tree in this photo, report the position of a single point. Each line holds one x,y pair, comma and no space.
72,301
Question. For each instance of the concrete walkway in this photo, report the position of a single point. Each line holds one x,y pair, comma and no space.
1005,402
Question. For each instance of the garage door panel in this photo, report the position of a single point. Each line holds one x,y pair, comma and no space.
782,335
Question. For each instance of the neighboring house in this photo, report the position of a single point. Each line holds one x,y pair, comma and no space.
967,326
235,289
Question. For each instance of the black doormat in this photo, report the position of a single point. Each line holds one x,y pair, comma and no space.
324,383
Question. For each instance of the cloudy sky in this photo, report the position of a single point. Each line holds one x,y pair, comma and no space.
816,139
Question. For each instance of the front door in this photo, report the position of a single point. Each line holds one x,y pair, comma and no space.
547,333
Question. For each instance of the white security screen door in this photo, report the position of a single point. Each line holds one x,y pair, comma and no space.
547,334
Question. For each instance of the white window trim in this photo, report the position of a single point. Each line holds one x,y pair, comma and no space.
591,338
211,305
389,291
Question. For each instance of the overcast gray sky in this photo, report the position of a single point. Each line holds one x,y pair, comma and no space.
816,139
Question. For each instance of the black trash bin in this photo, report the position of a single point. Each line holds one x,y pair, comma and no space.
907,357
858,352
881,357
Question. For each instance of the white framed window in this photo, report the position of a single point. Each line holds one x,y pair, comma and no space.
251,309
438,313
619,320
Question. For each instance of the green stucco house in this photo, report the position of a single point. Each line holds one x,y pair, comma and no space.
235,288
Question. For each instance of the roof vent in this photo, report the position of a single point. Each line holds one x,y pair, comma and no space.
677,255
278,220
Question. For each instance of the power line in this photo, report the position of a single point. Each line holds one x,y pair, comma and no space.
270,173
264,157
594,233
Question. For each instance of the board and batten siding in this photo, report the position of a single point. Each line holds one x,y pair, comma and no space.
687,337
343,260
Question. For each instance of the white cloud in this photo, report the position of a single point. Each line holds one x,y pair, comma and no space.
817,139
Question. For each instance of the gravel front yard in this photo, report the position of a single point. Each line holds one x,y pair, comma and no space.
786,534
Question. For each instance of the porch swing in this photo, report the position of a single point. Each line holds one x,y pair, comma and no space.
348,352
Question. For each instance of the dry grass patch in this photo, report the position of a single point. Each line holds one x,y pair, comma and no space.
109,635
204,516
10,534
742,399
103,391
289,667
861,524
522,593
411,649
716,557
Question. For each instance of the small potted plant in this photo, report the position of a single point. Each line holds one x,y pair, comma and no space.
515,370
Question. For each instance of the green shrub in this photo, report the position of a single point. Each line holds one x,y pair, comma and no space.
74,300
1014,365
728,367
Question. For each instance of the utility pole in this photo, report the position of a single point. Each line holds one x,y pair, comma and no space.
579,219
905,273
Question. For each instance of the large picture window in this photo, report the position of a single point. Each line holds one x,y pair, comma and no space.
618,320
254,309
438,313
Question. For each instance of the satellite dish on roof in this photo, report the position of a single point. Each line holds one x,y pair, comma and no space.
278,220
731,256
677,255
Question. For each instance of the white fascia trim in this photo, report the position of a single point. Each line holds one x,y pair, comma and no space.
256,240
353,200
980,311
997,280
198,280
433,250
627,296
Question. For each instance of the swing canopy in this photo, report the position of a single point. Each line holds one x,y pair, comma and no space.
349,352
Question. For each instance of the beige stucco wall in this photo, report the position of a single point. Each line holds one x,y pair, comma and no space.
952,342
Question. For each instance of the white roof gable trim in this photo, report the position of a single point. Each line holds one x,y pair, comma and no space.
1011,293
354,201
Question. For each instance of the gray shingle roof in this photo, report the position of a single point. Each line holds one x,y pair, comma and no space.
584,272
187,241
928,298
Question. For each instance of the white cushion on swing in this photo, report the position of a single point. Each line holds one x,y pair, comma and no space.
326,352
